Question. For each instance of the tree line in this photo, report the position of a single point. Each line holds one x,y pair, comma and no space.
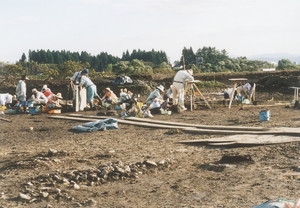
98,62
62,64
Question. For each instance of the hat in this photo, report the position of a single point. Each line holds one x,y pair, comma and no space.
45,87
161,88
34,90
24,77
58,95
108,89
85,71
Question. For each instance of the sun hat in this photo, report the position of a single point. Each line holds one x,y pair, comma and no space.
161,88
58,95
34,90
45,87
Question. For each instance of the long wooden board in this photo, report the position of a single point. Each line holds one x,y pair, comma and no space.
245,139
184,128
242,128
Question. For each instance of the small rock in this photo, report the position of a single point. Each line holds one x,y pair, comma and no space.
162,162
24,196
150,163
52,152
120,170
44,194
90,202
29,184
76,186
49,206
127,168
65,181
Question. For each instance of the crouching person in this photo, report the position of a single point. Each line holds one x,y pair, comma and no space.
38,98
154,101
5,102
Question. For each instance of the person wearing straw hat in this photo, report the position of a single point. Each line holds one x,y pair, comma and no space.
179,82
109,97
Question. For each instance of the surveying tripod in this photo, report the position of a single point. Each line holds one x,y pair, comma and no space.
192,90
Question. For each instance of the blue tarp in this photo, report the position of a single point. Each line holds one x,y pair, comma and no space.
100,125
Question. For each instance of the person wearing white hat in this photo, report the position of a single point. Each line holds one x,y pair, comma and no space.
154,100
38,97
179,82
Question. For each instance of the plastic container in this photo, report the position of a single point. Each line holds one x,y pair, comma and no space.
264,115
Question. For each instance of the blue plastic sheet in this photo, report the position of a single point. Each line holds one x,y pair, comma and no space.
100,125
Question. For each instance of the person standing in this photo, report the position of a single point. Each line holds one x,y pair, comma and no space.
179,83
21,91
79,92
91,89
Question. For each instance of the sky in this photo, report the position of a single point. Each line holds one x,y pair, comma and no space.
241,27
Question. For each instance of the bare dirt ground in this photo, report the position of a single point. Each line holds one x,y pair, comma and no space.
56,167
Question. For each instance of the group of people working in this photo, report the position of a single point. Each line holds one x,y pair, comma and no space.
85,92
44,97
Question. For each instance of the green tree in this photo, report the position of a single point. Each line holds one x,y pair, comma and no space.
284,64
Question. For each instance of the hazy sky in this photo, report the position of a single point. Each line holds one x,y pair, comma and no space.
242,27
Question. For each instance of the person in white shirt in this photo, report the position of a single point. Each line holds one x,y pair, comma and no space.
91,89
38,97
5,99
79,92
179,82
21,90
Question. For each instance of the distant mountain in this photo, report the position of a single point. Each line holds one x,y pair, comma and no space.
275,57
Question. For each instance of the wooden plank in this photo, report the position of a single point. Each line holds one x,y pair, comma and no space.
243,128
5,119
245,139
188,129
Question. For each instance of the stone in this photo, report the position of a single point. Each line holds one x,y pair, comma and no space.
24,196
76,186
127,168
44,194
162,162
150,163
52,152
90,202
29,183
119,170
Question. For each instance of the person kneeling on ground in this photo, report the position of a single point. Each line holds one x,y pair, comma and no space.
109,97
38,97
154,101
5,102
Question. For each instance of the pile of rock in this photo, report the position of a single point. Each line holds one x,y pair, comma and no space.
55,185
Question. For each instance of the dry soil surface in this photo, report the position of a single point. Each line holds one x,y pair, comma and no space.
45,164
